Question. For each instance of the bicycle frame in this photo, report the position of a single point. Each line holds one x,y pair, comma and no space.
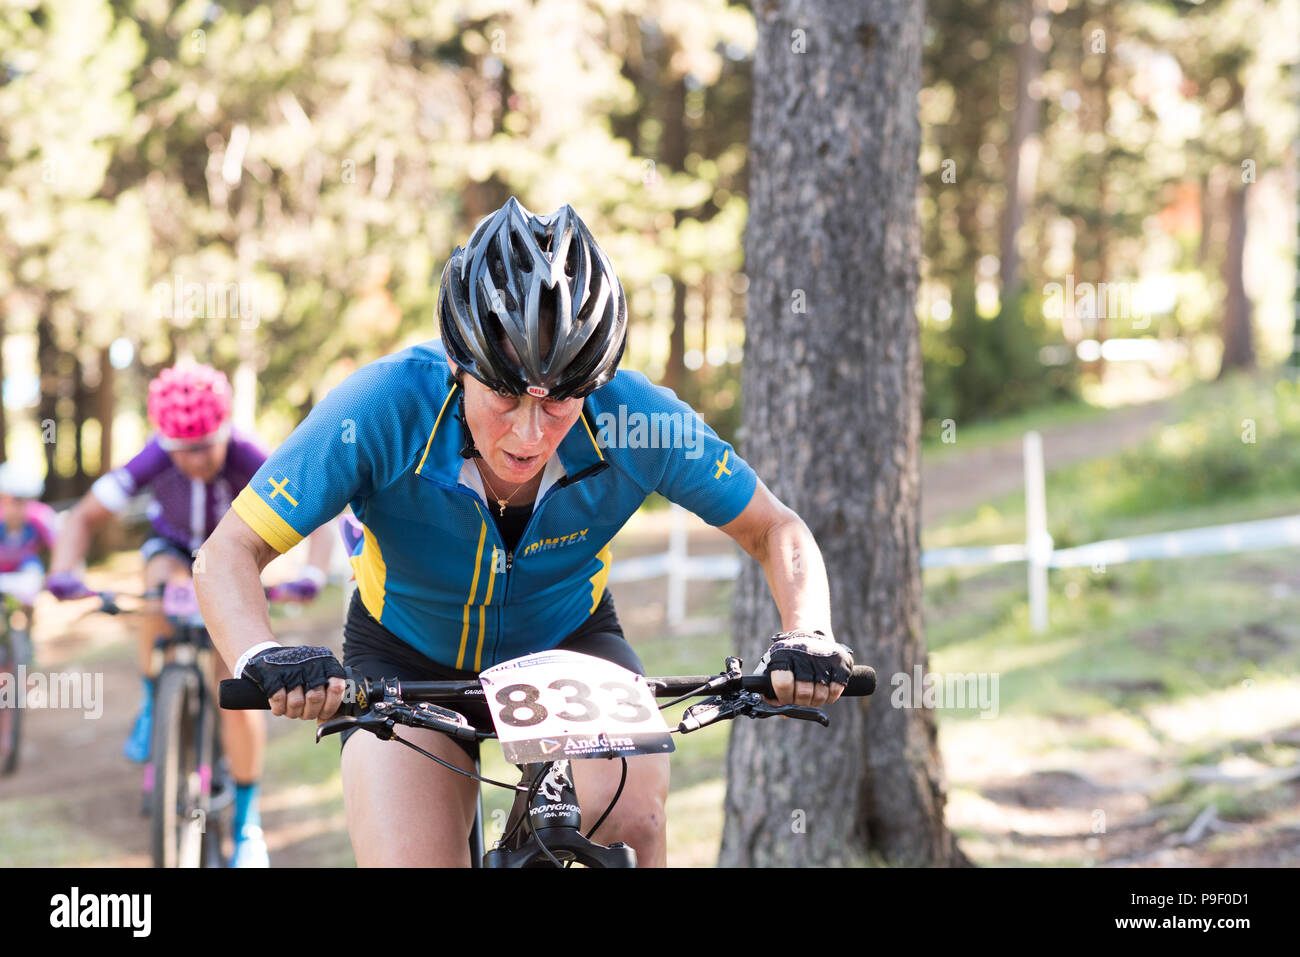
15,651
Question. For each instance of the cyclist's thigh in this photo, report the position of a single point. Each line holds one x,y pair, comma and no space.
641,803
403,810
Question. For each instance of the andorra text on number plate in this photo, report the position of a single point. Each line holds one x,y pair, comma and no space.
560,704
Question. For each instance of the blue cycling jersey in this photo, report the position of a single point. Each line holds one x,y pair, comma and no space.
431,566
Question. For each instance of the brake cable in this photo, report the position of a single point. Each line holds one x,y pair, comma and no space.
451,767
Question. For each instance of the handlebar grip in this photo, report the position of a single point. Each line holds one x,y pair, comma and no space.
240,694
862,682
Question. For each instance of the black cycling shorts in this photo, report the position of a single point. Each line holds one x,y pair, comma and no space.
375,652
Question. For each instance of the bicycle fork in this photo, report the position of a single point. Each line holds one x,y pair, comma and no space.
553,824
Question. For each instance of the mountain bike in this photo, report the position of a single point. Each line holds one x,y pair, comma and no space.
544,828
15,657
187,788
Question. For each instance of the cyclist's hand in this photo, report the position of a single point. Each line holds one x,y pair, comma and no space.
298,590
806,668
65,586
300,682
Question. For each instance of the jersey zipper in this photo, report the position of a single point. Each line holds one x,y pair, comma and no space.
510,564
595,469
499,546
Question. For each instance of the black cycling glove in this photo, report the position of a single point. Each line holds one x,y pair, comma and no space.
298,666
824,664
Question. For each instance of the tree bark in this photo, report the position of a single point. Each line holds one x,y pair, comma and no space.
673,157
1022,151
832,416
47,412
81,411
1238,338
105,410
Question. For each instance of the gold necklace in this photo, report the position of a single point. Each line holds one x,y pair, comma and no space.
501,502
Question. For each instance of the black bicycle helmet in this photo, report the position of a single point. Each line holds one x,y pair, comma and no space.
532,304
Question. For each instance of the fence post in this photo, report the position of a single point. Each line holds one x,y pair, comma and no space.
1038,543
677,567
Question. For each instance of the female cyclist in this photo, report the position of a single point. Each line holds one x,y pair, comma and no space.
488,505
193,467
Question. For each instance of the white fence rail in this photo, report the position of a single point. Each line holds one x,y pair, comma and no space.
1211,540
1037,551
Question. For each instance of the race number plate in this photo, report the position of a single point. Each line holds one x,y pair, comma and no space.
180,601
560,704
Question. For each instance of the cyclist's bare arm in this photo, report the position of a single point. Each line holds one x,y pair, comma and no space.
781,543
229,588
74,535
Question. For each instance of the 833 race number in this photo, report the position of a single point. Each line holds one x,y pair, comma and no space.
557,704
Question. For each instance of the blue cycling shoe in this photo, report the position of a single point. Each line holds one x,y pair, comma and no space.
250,848
139,745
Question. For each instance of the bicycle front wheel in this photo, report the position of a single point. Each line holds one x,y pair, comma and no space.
10,713
178,821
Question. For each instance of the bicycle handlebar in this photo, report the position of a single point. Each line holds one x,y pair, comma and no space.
862,682
240,694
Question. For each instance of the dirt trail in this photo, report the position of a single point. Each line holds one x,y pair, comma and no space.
963,479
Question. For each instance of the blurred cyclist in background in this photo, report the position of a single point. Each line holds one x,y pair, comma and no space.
193,468
28,527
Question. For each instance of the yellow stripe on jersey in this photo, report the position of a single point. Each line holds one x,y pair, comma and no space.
372,575
598,580
487,600
434,430
264,520
594,443
473,590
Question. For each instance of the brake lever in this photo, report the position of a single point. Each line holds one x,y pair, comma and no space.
378,725
426,714
761,709
710,710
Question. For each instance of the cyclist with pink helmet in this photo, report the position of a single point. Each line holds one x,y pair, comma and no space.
193,467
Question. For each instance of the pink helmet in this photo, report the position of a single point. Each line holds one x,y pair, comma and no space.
189,401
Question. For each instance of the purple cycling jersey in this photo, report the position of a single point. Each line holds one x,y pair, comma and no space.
183,510
22,547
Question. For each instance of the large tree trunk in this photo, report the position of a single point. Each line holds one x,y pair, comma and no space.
1238,339
832,387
